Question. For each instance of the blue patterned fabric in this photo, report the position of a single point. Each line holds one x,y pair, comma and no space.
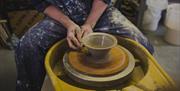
31,50
42,4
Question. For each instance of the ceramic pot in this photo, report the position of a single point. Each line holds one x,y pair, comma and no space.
99,44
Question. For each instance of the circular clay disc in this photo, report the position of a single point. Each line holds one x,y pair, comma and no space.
116,61
100,81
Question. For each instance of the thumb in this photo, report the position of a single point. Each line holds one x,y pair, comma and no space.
79,33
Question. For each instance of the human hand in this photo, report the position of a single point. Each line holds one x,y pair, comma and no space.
73,36
86,29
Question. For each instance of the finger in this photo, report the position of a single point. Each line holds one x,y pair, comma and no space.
79,36
75,41
71,44
78,30
86,33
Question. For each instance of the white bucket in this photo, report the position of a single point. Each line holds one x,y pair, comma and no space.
172,22
151,19
153,14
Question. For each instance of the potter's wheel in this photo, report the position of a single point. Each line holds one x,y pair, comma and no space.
88,65
115,71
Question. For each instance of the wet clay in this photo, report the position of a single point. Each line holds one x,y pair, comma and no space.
116,61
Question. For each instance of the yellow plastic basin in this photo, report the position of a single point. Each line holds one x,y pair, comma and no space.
149,76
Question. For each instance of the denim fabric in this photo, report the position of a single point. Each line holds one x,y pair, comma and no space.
31,50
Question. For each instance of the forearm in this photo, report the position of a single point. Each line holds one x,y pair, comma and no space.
98,7
58,15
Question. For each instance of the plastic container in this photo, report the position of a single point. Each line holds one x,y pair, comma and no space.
172,22
149,75
153,14
151,19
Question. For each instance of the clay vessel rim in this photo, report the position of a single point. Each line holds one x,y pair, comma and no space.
99,48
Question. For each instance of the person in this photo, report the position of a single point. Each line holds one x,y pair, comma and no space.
70,19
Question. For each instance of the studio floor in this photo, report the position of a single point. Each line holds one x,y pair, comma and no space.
166,55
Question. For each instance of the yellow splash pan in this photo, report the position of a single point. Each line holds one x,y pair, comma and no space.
147,75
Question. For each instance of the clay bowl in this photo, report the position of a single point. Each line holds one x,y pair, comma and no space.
99,44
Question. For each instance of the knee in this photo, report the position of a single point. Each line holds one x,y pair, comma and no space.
25,46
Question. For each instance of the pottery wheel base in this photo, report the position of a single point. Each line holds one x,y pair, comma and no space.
115,62
100,81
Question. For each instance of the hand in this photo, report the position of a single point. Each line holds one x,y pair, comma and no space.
73,36
86,29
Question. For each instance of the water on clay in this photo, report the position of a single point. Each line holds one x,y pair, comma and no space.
138,70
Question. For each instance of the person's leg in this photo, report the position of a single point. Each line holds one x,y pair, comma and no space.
31,51
112,21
